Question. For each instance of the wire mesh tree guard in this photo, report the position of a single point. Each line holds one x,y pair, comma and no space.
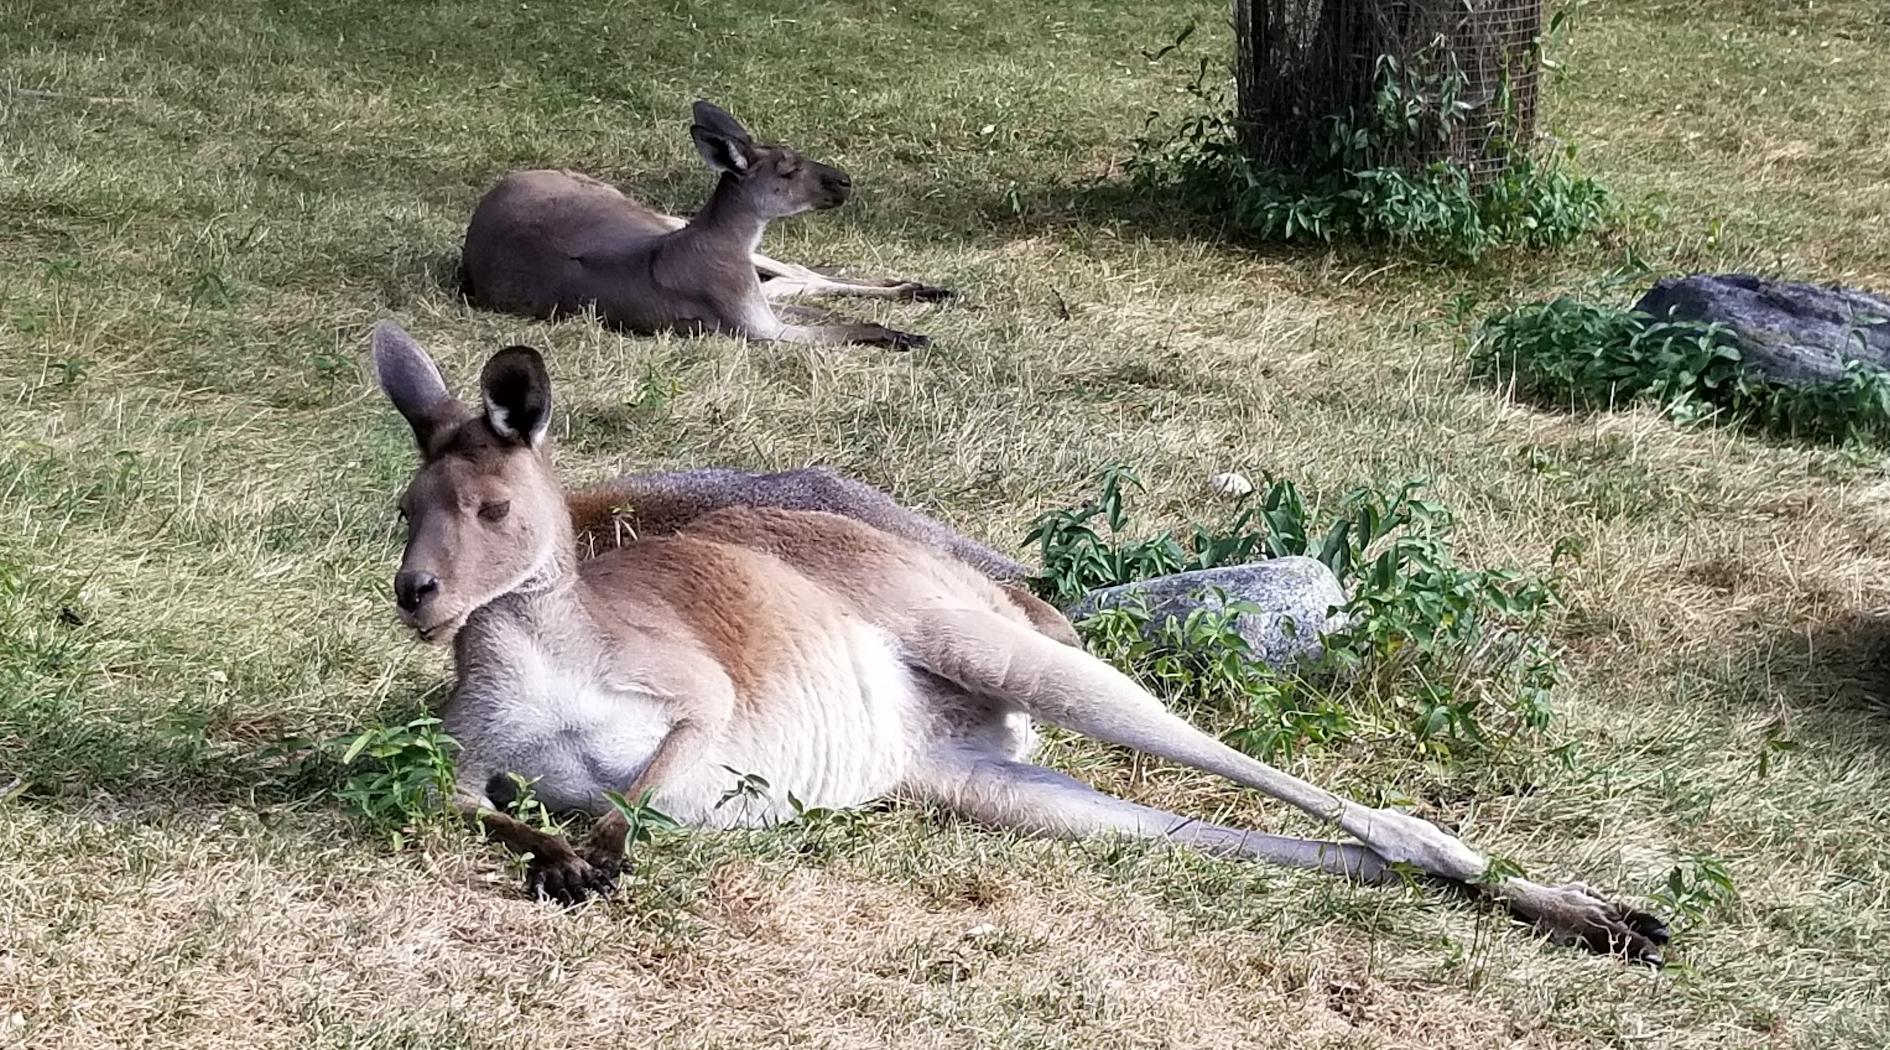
1471,66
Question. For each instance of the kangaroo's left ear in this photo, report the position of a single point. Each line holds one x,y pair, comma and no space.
721,139
517,392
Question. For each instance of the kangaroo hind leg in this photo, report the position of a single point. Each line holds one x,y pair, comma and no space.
1002,792
989,655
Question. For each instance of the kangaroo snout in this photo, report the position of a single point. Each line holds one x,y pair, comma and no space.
836,187
413,589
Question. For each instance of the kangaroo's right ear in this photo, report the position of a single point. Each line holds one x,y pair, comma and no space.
411,381
721,139
517,392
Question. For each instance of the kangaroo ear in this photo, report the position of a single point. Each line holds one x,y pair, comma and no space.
517,391
411,381
721,139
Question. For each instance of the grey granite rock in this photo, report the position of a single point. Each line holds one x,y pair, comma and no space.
1299,591
1791,332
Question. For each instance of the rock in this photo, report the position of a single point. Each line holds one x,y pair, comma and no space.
1232,484
1792,333
1297,590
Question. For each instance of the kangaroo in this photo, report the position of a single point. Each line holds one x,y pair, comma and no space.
544,243
839,662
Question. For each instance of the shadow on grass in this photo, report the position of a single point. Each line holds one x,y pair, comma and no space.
1839,666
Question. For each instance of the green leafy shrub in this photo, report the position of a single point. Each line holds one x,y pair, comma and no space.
1456,659
1570,354
398,777
1349,191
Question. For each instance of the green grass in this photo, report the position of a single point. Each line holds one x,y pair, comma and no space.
203,207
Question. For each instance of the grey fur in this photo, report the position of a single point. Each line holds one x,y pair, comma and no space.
667,500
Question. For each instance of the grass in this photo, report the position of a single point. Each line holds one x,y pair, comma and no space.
204,206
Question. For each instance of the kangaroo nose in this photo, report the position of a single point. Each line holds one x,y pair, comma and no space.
412,589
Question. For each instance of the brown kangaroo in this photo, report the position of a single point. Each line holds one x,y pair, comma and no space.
838,662
545,243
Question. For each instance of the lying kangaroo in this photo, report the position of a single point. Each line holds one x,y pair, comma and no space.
839,662
542,243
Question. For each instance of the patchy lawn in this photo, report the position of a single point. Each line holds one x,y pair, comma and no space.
204,206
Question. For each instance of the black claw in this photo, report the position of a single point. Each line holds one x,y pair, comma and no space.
929,294
1649,926
568,883
1629,941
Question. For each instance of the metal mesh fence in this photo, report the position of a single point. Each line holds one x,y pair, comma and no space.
1299,63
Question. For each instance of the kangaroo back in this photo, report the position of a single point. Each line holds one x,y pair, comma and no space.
667,501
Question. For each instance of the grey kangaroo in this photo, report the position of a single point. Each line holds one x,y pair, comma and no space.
840,662
545,243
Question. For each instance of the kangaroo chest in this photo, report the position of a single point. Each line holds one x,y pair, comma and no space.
562,723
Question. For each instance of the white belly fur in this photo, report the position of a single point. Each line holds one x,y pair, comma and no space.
838,729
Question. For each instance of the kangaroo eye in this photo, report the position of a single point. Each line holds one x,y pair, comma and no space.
495,511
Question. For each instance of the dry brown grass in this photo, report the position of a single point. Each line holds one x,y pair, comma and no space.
195,468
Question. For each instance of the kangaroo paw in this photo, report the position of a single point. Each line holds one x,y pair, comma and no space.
568,879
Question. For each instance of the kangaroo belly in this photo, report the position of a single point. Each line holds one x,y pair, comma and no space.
839,726
840,730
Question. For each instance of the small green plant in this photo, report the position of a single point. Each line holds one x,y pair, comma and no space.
1695,889
528,808
655,389
1078,559
1500,870
399,777
645,820
1570,354
1355,189
1773,746
748,788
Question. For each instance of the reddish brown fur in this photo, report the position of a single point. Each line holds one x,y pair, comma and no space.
603,517
714,590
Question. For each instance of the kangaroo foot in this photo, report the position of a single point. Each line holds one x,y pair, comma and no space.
892,338
913,291
1576,914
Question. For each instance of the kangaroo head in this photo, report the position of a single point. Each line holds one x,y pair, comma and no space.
485,514
776,180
